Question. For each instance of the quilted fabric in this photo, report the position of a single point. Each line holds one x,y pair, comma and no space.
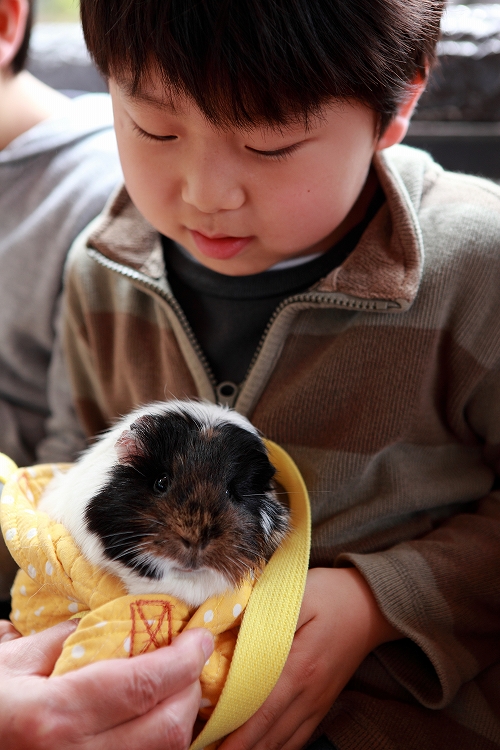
56,583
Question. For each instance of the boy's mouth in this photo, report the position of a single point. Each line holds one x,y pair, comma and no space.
220,246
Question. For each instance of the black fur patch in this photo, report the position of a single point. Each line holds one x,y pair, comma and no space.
190,493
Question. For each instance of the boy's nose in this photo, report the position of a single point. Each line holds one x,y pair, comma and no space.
210,192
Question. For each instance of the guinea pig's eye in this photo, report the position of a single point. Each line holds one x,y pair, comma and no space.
230,494
161,484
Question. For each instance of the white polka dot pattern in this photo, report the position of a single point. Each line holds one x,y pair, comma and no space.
208,616
77,652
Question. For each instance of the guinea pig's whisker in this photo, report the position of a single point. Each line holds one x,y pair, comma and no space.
131,548
118,533
265,494
137,470
128,534
238,562
125,549
135,563
243,547
140,546
245,551
128,543
256,494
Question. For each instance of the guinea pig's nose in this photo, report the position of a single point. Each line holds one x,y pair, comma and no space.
188,543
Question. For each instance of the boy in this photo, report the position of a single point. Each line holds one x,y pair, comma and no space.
268,252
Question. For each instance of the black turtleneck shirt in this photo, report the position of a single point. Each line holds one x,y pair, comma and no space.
229,314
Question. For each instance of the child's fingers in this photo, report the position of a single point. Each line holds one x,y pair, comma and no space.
303,734
269,715
285,726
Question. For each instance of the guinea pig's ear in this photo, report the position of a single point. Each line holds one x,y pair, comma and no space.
129,445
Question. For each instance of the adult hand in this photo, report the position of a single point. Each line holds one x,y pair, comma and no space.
8,631
123,704
339,624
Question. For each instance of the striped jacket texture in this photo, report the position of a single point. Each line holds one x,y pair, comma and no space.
382,382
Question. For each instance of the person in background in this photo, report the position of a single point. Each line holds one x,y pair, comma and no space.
58,166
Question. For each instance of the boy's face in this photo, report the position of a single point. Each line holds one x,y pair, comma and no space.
241,201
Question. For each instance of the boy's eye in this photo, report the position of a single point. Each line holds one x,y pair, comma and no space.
150,137
280,153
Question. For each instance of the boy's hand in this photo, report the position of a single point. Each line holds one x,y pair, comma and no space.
123,704
339,624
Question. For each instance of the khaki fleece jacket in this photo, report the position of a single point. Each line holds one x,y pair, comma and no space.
383,384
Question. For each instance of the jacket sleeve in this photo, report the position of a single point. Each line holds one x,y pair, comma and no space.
81,288
442,591
64,438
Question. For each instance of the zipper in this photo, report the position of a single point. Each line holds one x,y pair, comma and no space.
226,393
169,298
320,297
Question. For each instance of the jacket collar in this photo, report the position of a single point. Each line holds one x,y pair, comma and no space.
386,264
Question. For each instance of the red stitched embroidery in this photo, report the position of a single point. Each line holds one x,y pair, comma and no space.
153,626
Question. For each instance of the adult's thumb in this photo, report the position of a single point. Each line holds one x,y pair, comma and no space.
38,653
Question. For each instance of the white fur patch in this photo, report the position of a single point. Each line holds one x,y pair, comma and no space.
68,495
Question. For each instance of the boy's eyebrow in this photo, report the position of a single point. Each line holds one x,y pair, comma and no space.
140,95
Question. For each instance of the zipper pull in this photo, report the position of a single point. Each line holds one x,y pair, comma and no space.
227,393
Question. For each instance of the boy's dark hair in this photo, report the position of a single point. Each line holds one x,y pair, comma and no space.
267,61
19,61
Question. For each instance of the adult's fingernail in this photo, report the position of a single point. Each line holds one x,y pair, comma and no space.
207,644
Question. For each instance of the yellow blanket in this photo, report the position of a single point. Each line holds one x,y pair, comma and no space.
56,583
272,609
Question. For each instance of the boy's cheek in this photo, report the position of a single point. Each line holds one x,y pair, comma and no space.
300,218
289,207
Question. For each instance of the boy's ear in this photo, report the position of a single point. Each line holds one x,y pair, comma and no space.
13,17
398,127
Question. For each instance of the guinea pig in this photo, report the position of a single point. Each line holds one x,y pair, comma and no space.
177,498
